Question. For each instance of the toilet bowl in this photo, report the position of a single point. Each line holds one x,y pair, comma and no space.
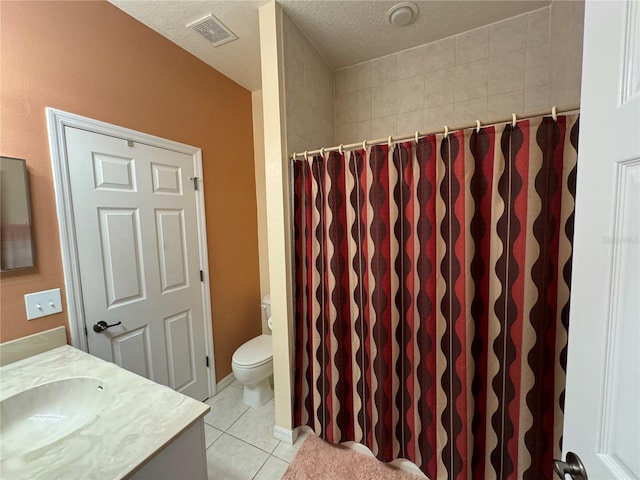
252,365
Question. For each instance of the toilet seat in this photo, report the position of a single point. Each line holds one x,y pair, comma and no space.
254,353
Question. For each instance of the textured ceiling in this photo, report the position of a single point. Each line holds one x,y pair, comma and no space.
239,60
344,32
350,32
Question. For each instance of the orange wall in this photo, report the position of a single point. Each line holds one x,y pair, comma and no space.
92,59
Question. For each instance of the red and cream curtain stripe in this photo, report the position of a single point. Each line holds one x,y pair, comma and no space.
431,298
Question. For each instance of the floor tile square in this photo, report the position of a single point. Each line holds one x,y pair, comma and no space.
211,434
273,469
256,427
226,408
232,459
286,452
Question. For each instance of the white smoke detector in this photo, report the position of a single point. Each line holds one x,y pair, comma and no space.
213,30
402,14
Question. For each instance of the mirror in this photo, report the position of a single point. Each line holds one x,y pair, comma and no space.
16,239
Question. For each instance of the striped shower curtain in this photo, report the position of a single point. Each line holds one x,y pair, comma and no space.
432,294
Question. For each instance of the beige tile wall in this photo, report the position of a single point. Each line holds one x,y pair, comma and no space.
308,92
565,61
483,74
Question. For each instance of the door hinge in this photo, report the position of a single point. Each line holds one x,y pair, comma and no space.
86,332
129,143
201,276
195,182
207,360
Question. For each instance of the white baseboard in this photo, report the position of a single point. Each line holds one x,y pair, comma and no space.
225,382
285,435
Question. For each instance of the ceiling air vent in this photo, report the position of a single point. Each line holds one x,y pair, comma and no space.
213,30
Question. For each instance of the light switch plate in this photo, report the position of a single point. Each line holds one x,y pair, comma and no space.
41,304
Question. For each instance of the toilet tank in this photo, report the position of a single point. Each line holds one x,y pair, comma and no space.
266,305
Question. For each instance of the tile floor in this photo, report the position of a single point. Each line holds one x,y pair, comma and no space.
240,443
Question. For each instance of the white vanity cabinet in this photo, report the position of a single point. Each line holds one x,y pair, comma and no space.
184,457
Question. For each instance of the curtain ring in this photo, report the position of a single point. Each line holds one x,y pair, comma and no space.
513,119
477,126
364,144
417,135
306,155
340,149
322,152
389,142
446,131
554,113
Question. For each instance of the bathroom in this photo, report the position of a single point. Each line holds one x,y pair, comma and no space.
77,57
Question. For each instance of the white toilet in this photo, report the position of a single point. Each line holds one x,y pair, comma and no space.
252,365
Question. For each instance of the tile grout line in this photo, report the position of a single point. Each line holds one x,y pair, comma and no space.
236,420
212,443
252,445
261,467
280,458
242,440
269,455
227,432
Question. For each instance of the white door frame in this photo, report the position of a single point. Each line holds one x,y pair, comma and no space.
56,121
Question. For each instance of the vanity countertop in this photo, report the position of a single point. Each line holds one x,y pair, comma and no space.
141,418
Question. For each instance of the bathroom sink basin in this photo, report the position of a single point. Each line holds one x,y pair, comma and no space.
44,414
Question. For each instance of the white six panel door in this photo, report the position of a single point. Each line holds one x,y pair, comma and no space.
602,412
134,210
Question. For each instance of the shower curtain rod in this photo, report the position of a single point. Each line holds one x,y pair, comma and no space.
477,124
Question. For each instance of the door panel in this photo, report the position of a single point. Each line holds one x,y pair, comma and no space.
131,351
167,179
621,399
113,173
171,245
134,209
179,336
121,257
